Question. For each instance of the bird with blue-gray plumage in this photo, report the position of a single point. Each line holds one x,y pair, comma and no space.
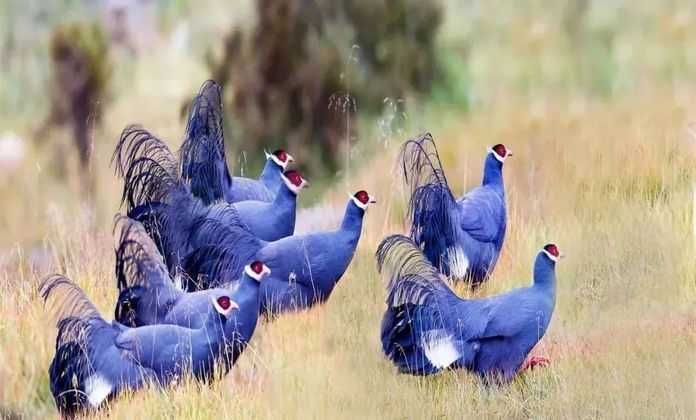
96,360
306,268
148,295
461,237
148,169
203,161
428,328
155,195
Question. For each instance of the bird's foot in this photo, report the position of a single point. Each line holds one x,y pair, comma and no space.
536,361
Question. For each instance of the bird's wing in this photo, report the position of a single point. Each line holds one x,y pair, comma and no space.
202,153
250,189
510,314
481,214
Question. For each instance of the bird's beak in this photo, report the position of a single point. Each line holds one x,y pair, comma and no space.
561,255
233,305
305,183
509,153
372,200
266,270
290,158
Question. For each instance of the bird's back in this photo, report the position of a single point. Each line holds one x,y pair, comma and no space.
249,189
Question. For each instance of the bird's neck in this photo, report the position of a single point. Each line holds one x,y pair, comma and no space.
285,196
248,292
213,328
493,173
545,273
270,173
353,218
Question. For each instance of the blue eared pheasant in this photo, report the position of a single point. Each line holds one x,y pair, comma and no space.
95,360
148,296
427,328
461,237
156,196
203,161
305,268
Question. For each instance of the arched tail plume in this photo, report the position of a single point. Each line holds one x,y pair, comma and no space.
202,153
431,205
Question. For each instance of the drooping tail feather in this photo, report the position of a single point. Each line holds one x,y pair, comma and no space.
412,278
221,253
139,267
146,164
412,305
78,321
65,299
138,261
431,205
70,367
153,192
202,153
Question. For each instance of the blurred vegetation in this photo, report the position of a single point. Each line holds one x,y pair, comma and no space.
298,77
80,76
314,76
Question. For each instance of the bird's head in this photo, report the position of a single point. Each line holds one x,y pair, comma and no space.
552,252
280,157
362,199
257,270
294,181
500,152
224,305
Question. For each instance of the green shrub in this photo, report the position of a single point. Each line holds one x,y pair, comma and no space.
299,76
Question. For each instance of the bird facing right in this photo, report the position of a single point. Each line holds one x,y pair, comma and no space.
461,237
428,328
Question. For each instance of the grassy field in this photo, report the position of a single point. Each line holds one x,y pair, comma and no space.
607,175
610,183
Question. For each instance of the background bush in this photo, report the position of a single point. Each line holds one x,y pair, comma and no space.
297,78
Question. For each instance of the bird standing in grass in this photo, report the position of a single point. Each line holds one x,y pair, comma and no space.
461,237
203,161
96,360
156,196
427,328
148,296
305,268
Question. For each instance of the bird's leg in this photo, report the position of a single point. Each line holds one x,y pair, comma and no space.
535,361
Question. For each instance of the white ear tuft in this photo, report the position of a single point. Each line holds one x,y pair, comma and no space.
496,155
550,255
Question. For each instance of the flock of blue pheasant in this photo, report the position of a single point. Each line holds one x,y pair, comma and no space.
202,255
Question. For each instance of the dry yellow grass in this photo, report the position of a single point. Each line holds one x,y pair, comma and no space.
610,183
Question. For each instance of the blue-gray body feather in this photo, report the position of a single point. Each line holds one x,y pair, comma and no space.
461,237
148,296
306,268
263,189
203,160
96,360
427,327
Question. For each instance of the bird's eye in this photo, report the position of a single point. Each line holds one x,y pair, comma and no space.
224,302
552,249
500,150
362,196
281,155
257,267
